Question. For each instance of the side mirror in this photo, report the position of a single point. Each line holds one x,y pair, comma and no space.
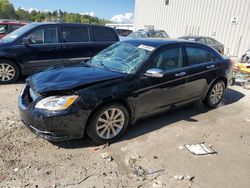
26,41
156,73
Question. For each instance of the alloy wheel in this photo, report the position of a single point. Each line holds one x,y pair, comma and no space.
110,123
217,93
7,72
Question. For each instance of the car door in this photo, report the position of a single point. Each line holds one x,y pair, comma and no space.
201,70
76,43
42,51
159,94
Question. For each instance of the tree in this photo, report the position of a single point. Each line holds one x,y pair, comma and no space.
7,10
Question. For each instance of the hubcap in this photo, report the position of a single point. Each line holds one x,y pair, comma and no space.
7,72
217,93
110,123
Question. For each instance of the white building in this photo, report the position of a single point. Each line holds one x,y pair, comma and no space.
228,21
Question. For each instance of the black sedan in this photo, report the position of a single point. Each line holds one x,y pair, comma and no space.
127,81
206,40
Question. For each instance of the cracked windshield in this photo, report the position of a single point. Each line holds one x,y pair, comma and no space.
121,57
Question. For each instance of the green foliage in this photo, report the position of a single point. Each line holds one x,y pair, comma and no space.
7,11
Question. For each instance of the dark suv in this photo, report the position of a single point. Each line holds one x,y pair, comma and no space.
37,46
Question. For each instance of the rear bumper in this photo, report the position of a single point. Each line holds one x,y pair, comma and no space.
53,126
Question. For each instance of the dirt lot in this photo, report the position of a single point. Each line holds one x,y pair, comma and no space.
151,144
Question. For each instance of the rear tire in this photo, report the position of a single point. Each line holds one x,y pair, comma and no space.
9,72
215,94
108,123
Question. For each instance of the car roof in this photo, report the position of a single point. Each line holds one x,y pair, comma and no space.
156,42
149,30
65,23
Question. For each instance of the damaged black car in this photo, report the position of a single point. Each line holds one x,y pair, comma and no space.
125,82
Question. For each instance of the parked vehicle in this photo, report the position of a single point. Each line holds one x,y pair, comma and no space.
123,32
36,46
7,27
206,40
246,57
241,72
151,34
127,81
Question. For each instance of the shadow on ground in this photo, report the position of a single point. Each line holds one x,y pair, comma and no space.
153,123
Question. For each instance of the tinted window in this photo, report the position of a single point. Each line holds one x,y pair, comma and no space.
44,36
13,28
3,28
211,41
104,34
169,59
197,56
75,34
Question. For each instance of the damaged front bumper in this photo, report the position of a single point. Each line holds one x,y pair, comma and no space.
54,126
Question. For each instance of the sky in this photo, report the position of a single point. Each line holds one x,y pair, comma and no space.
116,10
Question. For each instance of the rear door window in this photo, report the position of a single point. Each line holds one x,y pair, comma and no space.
102,34
75,34
46,35
197,56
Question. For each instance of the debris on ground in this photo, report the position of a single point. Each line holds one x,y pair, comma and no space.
186,177
157,184
78,183
16,169
200,149
100,147
181,147
155,157
149,172
139,171
107,156
133,160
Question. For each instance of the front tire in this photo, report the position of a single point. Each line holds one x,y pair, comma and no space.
108,123
215,94
9,72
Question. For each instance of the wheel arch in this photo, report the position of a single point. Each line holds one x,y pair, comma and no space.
14,61
223,78
123,102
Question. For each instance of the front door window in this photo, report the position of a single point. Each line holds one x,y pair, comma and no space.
168,60
44,36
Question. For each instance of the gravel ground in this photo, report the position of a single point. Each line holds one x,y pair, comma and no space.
151,144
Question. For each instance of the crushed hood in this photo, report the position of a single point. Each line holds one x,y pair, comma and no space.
68,78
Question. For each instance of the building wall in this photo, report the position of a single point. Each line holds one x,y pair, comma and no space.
199,17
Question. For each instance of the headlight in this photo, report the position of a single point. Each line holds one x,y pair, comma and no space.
56,103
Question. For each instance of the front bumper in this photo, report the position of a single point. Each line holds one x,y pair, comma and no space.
53,126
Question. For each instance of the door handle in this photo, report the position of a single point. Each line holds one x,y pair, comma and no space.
210,66
180,74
